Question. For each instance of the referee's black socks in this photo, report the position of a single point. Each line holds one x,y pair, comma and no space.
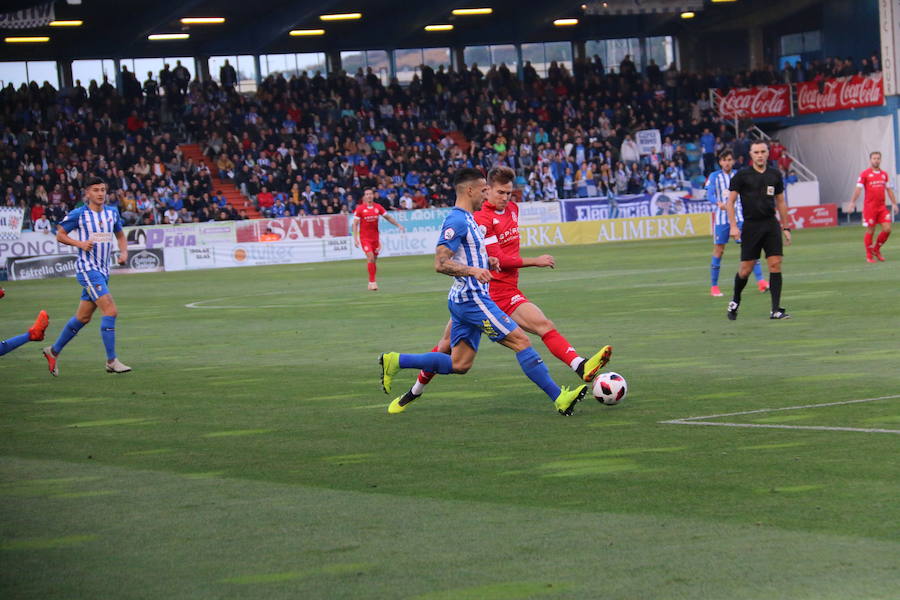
775,290
739,284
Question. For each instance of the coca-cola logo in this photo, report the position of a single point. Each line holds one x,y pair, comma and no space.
756,102
840,94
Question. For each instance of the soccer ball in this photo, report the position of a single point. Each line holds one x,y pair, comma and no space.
610,388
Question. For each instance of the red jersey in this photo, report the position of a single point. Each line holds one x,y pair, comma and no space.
368,220
873,183
501,237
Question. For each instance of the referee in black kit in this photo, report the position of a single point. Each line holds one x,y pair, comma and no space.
762,191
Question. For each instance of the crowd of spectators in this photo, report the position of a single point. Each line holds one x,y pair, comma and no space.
310,145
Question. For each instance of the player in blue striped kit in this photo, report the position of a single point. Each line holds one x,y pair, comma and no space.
461,254
95,225
717,193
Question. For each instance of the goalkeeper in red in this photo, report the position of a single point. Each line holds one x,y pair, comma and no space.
875,212
499,222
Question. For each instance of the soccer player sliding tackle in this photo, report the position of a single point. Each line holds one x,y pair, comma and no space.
875,212
95,225
462,254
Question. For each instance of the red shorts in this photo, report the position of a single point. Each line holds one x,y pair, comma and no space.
507,298
876,215
373,246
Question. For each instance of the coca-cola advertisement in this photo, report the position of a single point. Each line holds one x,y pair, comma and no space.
840,94
292,228
756,102
804,217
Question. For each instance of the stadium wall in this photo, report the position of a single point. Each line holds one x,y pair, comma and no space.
837,151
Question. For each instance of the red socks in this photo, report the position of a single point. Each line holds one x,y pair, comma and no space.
559,347
882,238
372,269
867,240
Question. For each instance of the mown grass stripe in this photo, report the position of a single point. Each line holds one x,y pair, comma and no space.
336,569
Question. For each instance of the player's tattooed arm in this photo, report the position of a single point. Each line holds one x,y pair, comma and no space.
444,263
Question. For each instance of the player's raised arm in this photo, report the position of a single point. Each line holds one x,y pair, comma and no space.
735,231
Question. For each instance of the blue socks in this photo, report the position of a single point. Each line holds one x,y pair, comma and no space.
536,370
108,333
431,362
757,271
13,343
714,270
70,330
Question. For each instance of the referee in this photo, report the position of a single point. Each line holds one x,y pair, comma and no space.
762,192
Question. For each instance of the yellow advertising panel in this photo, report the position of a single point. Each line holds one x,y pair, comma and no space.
616,230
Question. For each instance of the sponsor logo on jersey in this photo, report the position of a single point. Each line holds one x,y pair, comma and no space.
101,236
488,328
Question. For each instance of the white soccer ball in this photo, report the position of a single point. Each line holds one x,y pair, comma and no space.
610,388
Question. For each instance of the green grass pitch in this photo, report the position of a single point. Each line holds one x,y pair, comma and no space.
250,453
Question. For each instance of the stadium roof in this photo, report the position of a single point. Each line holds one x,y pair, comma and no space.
113,28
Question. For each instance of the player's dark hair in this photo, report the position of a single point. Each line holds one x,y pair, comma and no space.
93,180
758,142
873,153
466,175
500,175
725,154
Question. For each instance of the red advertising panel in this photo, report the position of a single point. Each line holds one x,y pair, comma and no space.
292,228
840,94
803,217
756,102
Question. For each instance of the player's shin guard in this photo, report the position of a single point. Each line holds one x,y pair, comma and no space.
372,269
69,331
867,240
434,362
535,369
882,238
13,343
739,285
714,270
775,290
108,333
757,271
559,347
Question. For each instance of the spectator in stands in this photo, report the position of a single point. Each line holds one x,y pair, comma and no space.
42,225
265,201
629,151
227,76
708,146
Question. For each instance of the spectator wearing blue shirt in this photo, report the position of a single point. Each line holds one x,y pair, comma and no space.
708,144
175,202
412,179
278,209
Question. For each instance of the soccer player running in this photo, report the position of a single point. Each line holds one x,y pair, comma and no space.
875,212
95,225
461,254
762,193
717,193
365,231
499,220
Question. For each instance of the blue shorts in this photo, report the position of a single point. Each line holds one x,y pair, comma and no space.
94,285
469,319
722,233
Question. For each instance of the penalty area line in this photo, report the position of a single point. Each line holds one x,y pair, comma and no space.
704,420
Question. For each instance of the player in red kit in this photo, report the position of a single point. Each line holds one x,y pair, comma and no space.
365,231
875,212
499,221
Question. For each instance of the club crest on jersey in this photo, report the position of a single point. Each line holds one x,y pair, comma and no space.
449,233
483,230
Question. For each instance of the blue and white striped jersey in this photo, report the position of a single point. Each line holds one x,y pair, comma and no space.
464,237
98,227
717,191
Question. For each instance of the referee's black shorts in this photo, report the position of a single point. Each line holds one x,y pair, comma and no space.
757,236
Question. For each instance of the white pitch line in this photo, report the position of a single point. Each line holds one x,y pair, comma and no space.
703,419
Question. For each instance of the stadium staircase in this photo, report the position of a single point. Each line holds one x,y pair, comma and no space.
754,133
232,194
